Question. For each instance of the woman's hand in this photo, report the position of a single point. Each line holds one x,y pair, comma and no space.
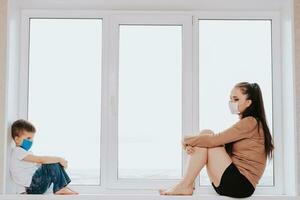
190,150
184,145
188,139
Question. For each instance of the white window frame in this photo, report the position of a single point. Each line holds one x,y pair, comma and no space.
190,122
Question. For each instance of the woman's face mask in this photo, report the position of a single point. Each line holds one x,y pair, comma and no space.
234,107
238,102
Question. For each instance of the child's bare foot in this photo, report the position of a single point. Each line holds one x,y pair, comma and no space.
65,191
73,190
178,189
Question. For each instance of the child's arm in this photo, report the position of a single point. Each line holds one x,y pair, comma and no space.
46,160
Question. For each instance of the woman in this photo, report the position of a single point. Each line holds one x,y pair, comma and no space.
235,158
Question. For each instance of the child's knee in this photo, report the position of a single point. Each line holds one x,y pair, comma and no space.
52,165
56,165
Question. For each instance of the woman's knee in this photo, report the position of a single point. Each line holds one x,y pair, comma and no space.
206,131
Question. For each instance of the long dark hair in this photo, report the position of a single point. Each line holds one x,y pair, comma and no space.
256,110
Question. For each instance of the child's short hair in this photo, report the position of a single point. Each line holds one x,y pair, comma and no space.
21,125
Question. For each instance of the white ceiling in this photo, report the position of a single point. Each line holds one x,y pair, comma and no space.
154,4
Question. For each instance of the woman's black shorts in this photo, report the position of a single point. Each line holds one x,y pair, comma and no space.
234,184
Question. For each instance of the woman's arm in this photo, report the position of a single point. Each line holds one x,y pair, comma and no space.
242,129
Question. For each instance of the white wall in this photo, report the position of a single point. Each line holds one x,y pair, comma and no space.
154,4
3,14
297,62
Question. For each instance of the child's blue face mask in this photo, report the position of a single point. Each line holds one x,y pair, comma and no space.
26,144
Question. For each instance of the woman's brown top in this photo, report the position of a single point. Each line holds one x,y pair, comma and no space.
248,150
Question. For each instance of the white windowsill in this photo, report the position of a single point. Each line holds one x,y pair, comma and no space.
138,197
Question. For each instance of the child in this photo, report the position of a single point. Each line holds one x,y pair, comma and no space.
35,173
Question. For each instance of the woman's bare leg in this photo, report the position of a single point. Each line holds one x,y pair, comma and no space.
216,160
197,160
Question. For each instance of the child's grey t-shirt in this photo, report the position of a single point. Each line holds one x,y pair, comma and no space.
21,170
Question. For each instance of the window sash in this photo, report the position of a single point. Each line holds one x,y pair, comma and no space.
226,22
144,19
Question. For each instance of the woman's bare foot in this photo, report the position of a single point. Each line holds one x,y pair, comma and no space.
179,189
65,191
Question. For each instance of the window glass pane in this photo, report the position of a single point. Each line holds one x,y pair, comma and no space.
149,117
231,51
64,99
